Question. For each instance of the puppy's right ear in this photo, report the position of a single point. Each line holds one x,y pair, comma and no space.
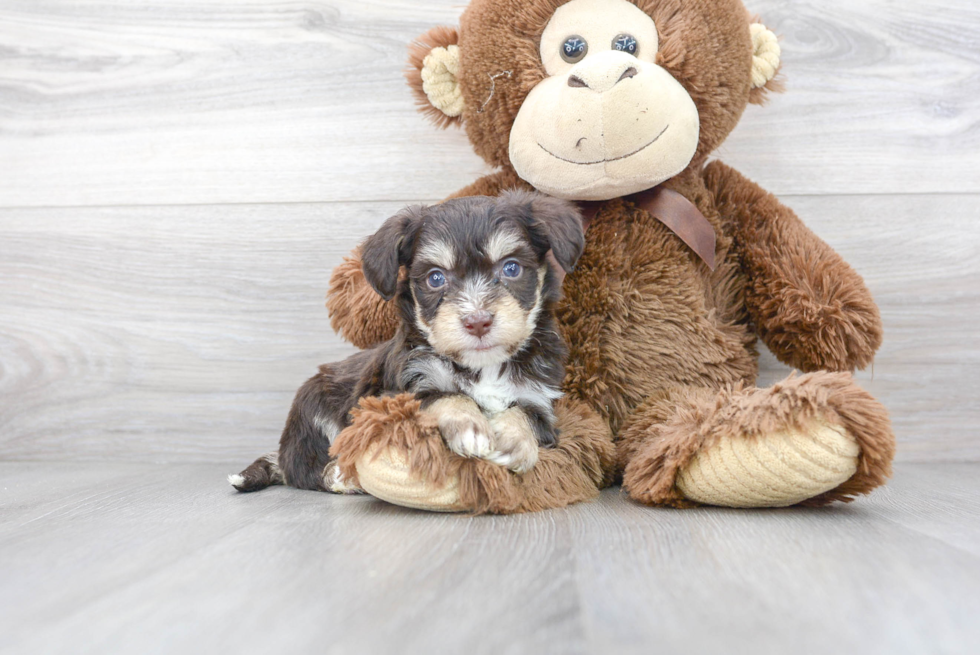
387,249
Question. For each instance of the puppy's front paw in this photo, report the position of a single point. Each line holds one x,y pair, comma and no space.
463,426
468,437
516,443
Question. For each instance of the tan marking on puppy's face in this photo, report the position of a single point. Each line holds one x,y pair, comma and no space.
420,322
532,315
512,324
480,257
440,253
502,244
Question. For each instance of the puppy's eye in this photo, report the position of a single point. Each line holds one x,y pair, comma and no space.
574,49
625,43
436,278
511,269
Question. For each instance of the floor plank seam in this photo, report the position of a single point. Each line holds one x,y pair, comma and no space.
368,201
933,537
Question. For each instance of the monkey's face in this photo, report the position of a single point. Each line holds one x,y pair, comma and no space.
595,99
607,121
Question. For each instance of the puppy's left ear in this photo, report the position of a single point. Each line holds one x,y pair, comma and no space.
557,222
385,251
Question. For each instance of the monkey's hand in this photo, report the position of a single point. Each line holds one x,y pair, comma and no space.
809,306
357,312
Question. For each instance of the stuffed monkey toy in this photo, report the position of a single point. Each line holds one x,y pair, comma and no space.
618,104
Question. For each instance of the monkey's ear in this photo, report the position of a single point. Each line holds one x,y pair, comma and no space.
433,74
765,63
554,223
385,251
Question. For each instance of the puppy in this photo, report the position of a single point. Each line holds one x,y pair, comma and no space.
477,344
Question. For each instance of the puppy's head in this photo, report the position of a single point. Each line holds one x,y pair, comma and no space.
479,282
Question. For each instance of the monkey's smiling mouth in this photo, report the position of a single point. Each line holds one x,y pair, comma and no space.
606,161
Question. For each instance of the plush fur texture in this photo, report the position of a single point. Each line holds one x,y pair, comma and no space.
500,35
687,420
662,350
356,310
572,472
807,304
437,37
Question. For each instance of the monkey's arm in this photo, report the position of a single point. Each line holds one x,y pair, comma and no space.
357,312
809,306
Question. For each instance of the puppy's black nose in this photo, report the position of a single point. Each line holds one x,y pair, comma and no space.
478,323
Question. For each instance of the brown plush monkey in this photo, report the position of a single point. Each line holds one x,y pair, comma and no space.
620,103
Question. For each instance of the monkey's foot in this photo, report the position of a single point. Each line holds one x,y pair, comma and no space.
810,439
395,452
386,474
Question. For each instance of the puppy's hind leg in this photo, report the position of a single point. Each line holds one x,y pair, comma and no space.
316,417
336,483
261,473
319,412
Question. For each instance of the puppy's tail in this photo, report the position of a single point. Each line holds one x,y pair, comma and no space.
263,472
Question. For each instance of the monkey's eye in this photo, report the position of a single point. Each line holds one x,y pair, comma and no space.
436,278
625,43
511,269
574,49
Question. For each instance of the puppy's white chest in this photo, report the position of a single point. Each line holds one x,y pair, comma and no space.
493,392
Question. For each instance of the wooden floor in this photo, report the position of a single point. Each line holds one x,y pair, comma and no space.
137,558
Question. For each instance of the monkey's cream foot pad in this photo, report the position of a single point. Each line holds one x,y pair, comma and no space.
387,475
776,470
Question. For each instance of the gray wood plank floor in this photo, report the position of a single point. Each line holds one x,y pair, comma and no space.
137,558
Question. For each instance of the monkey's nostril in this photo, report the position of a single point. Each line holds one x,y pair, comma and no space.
576,81
478,323
629,72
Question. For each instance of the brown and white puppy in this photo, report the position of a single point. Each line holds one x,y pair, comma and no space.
477,342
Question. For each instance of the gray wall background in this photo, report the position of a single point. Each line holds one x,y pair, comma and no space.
177,180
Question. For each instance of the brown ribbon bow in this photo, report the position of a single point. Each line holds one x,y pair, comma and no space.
673,210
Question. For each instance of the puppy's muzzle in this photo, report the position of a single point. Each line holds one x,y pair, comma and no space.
478,323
